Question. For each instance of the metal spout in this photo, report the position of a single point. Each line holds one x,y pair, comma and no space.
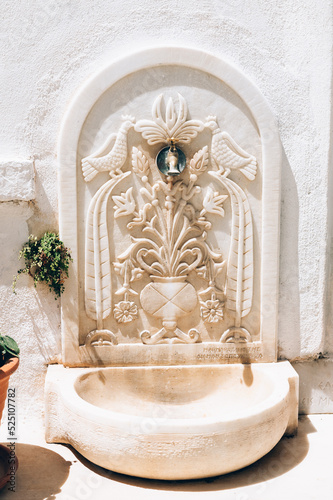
172,160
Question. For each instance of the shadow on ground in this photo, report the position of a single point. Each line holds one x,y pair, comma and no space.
286,455
40,475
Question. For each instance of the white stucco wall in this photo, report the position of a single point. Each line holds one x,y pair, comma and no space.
50,47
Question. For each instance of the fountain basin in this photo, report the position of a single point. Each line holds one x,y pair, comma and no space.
172,422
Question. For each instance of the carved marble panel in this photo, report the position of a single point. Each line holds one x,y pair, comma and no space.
170,266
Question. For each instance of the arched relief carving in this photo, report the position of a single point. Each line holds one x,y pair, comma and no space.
188,260
168,234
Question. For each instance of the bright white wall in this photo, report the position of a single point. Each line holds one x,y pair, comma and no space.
50,47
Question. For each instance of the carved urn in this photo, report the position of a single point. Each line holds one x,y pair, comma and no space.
169,298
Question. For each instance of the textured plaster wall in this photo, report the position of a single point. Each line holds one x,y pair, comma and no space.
49,47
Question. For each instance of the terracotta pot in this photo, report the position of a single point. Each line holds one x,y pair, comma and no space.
5,372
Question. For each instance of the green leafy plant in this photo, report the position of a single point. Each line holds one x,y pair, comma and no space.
46,260
8,349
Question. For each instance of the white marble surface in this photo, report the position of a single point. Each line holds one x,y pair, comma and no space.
297,468
176,422
192,94
315,386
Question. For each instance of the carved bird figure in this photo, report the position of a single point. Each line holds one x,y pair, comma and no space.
228,154
112,161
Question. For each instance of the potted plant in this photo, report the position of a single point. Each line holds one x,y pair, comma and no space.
9,361
46,260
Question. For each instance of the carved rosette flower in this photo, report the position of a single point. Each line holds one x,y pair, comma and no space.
211,311
125,311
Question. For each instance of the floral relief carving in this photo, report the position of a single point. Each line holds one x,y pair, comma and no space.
213,203
124,204
173,124
168,231
212,310
125,311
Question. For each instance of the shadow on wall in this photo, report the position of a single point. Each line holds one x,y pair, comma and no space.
286,455
289,299
40,475
47,333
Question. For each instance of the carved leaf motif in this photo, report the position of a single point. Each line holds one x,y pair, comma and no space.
98,268
124,204
199,162
188,131
213,202
174,125
170,115
136,274
140,163
119,268
202,272
240,263
239,288
218,268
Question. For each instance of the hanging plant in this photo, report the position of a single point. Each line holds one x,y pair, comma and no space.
46,260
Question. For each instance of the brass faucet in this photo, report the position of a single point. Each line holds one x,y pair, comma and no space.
172,159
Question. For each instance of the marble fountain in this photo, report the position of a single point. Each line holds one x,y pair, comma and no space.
169,200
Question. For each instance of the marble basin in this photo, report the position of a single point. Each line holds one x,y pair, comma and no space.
172,422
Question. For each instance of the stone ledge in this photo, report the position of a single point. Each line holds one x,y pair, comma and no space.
21,209
315,386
